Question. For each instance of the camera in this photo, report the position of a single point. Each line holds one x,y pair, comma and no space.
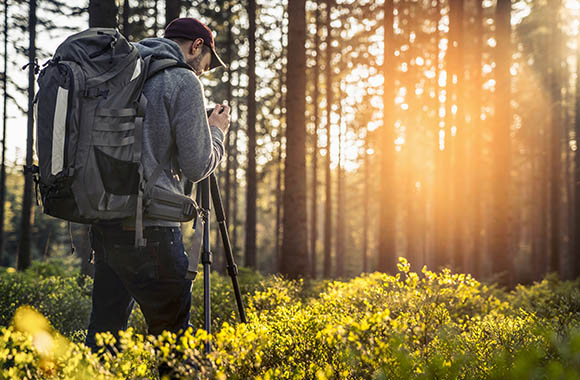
208,111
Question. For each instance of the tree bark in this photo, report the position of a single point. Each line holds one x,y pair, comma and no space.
366,193
229,147
440,211
102,13
314,205
327,270
4,121
26,220
499,237
126,15
387,212
555,147
251,178
172,10
280,163
477,139
576,231
459,145
294,243
235,200
339,195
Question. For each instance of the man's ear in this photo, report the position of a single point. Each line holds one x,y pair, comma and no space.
197,44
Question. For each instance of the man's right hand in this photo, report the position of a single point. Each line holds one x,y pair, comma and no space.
220,117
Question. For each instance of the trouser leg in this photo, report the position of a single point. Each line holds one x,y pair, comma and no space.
111,301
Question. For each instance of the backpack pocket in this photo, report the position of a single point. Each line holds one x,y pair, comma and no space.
57,110
57,118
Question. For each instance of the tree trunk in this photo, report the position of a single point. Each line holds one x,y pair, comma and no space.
327,270
156,19
366,193
294,246
499,234
235,200
439,212
388,203
477,139
4,121
314,205
459,150
280,163
251,178
279,194
102,13
26,220
172,10
555,148
576,231
339,195
229,148
126,15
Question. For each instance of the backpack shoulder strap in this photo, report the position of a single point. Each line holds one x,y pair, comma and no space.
159,64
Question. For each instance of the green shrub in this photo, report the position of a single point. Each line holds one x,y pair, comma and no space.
408,326
65,301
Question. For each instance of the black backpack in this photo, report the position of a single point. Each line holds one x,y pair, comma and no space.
89,119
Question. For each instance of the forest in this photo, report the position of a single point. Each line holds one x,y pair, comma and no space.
401,185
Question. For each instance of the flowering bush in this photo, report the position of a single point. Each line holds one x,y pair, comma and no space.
412,325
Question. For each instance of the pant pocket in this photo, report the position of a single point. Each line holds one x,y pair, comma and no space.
138,265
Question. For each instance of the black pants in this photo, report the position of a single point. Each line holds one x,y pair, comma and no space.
153,276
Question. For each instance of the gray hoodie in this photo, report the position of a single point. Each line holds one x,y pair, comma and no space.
176,117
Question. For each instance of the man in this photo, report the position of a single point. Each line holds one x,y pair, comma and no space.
175,125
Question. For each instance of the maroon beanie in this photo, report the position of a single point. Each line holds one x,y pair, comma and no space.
192,29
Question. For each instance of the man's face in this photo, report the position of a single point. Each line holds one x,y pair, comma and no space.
200,63
198,58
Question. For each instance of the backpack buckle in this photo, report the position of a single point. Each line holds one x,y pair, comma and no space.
32,169
95,93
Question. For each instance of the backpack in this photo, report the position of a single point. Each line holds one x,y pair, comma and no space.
89,121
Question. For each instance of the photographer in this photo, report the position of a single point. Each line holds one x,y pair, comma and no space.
175,126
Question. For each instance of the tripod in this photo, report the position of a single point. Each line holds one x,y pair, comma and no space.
203,190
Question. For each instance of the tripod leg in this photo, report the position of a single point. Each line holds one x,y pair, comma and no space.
206,256
231,266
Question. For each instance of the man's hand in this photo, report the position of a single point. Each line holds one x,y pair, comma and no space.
220,117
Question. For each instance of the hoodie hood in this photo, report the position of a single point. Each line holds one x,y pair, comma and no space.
160,48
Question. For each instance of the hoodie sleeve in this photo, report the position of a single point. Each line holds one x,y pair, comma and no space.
200,147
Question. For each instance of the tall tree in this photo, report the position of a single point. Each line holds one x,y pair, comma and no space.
294,247
459,146
103,13
366,196
576,236
339,193
26,220
476,139
314,205
279,164
328,202
126,15
4,121
229,178
251,177
387,211
440,225
499,237
555,143
172,10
